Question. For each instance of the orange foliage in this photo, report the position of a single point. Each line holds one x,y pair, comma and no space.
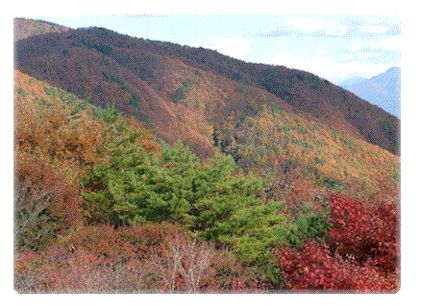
38,178
61,130
49,127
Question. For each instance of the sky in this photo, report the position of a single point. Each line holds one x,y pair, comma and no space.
335,47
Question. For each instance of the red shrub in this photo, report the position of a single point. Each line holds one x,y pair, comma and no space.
314,267
365,232
360,254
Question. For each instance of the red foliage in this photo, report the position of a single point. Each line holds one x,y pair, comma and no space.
360,254
23,259
314,267
112,245
365,232
35,178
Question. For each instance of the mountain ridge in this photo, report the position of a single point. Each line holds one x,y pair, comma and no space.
147,60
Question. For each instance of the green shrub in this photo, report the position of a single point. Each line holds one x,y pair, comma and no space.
307,224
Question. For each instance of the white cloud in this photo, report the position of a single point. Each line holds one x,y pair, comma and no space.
373,29
355,47
333,27
388,44
307,25
386,50
328,68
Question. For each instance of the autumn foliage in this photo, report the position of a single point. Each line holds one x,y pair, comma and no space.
361,252
103,205
157,258
45,205
142,75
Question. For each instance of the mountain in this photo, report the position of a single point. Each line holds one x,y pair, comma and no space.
79,168
324,156
24,28
384,90
185,92
129,149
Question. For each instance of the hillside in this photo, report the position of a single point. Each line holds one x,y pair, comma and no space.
79,168
273,137
174,169
384,90
24,28
162,82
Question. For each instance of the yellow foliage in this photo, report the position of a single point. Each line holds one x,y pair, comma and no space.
334,154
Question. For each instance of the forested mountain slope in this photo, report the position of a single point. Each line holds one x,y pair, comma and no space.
159,82
175,169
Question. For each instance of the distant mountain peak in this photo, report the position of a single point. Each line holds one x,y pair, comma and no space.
383,90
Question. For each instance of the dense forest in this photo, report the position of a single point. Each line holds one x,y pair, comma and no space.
144,166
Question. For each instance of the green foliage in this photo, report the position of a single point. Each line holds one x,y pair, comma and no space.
386,127
397,177
307,224
347,142
181,93
108,179
21,92
279,110
51,91
110,77
40,101
66,97
319,161
144,118
300,76
106,50
236,76
333,184
135,98
334,133
207,199
314,81
39,30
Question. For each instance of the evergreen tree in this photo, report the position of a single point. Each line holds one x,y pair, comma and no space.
206,198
